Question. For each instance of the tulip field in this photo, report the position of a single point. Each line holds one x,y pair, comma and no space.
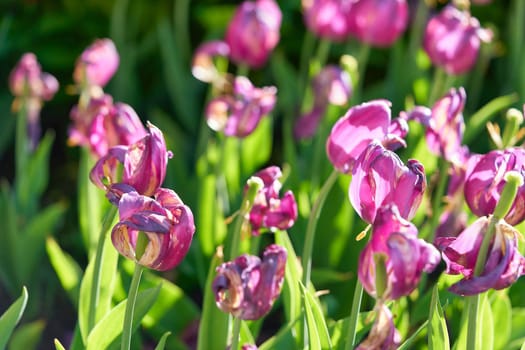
262,174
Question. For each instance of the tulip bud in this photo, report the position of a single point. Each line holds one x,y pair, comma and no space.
97,64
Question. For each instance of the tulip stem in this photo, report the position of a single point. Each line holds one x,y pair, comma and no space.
97,268
236,332
437,197
127,329
354,314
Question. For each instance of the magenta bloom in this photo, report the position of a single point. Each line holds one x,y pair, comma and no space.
268,210
97,64
504,264
380,178
239,113
248,286
328,19
452,40
202,65
253,32
331,86
485,179
166,221
144,167
103,125
383,334
406,255
379,22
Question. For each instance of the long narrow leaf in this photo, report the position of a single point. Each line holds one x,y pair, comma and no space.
437,328
318,335
162,341
11,317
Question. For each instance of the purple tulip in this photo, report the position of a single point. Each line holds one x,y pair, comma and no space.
97,64
406,255
268,210
103,125
202,66
328,19
253,32
452,40
379,22
485,179
239,113
504,264
144,167
383,335
380,178
248,286
164,219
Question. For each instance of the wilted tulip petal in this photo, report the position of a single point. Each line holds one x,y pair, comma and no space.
248,286
485,180
268,210
164,219
328,19
504,264
379,22
383,334
406,256
380,178
253,32
452,40
97,64
202,66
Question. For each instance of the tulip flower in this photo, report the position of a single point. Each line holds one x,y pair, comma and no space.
97,64
166,222
485,179
103,125
202,66
238,113
383,334
328,19
405,256
247,287
253,32
378,22
504,264
452,40
143,167
380,178
268,210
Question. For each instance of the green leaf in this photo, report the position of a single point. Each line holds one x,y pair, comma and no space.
284,339
11,317
318,336
27,336
162,341
9,269
58,345
213,326
109,329
407,343
437,327
257,147
485,325
502,312
66,268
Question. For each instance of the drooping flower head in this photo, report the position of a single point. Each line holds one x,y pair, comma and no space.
97,64
328,19
142,166
103,125
361,125
405,255
452,40
164,219
504,264
239,112
380,178
253,32
268,210
378,22
248,286
383,334
485,179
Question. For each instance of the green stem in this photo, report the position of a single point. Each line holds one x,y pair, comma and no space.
354,314
312,224
130,308
306,52
235,238
362,62
438,84
236,332
473,306
97,268
21,150
437,197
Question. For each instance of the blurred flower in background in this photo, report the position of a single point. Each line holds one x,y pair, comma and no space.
328,19
97,64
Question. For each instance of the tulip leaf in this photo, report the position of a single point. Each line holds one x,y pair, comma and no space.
485,324
318,336
407,344
108,330
58,345
284,339
27,336
66,268
437,326
257,147
162,342
11,317
9,269
502,312
213,326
